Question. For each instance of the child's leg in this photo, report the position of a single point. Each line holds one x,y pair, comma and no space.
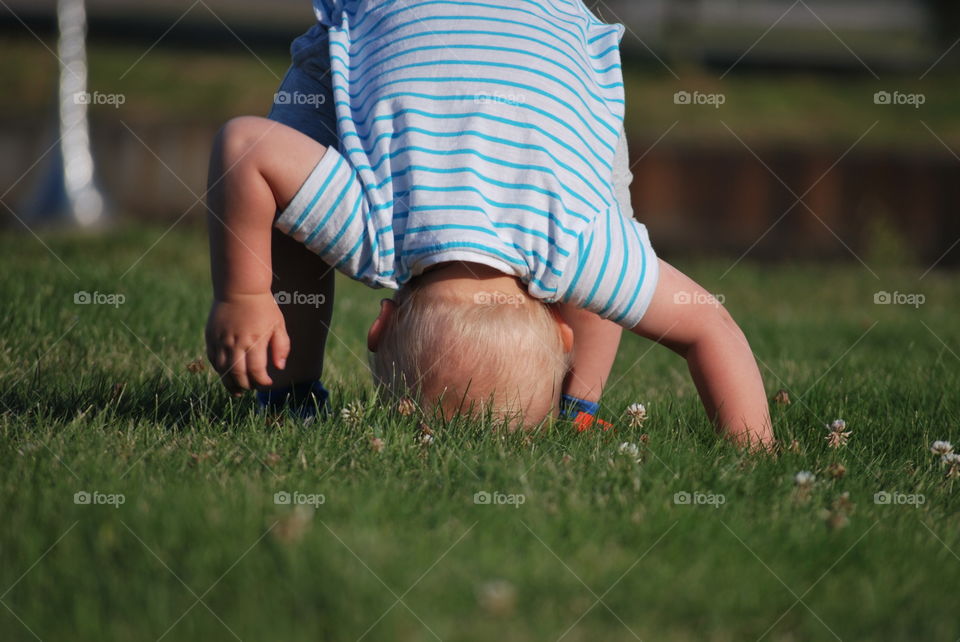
304,276
595,340
595,344
296,269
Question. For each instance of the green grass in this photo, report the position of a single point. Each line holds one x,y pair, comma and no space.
199,471
166,86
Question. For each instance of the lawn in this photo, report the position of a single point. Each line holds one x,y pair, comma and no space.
183,538
166,85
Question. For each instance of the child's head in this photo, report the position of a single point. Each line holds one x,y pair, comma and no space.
469,339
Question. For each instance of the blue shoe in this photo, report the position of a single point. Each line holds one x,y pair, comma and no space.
582,413
571,406
304,400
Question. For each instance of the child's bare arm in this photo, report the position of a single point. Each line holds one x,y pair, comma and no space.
595,343
256,168
686,318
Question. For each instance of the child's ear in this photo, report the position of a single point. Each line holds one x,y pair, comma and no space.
566,334
387,308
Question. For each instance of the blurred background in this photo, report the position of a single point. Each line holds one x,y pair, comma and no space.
767,129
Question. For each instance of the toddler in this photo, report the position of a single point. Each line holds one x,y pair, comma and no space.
470,156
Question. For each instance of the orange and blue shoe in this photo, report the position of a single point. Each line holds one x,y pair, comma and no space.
582,413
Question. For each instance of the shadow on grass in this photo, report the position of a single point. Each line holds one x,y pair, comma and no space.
156,399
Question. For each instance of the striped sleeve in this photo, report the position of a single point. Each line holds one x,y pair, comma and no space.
616,270
330,215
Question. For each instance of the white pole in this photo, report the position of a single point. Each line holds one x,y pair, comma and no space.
69,193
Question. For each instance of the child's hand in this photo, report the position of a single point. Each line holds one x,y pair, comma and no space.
240,332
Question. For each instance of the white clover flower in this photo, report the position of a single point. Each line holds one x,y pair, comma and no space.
352,413
629,449
950,458
838,439
636,414
425,436
838,425
941,447
952,461
498,597
406,406
804,478
838,434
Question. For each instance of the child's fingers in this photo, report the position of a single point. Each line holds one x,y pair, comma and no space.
232,387
222,362
256,360
213,356
280,348
221,358
236,376
216,357
226,378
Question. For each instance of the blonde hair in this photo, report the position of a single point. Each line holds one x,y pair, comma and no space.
492,352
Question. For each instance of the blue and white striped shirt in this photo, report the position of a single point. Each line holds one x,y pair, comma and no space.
481,131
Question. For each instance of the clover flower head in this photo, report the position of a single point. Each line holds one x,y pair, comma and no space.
630,450
425,436
838,439
636,414
352,413
940,447
836,470
954,471
406,406
497,597
838,434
